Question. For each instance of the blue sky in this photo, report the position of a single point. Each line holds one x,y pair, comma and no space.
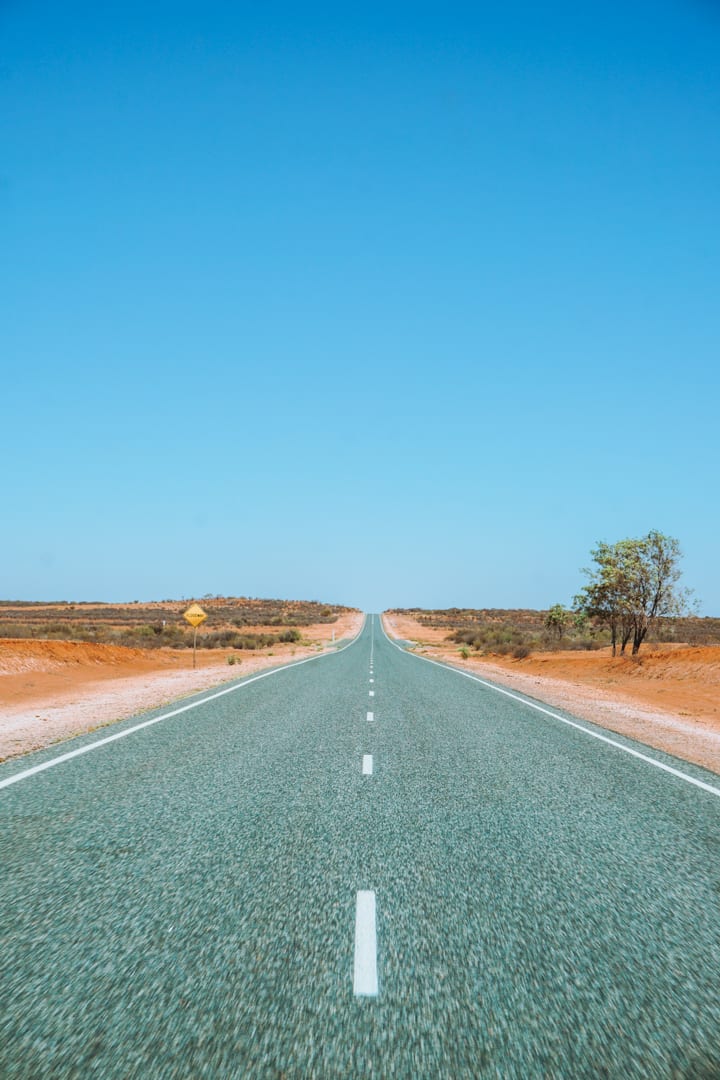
408,304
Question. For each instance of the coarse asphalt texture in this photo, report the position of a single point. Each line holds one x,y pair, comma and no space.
181,902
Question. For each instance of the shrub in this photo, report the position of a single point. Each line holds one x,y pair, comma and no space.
521,651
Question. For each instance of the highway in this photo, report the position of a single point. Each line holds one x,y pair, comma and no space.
364,865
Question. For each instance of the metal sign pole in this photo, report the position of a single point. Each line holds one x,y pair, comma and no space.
194,645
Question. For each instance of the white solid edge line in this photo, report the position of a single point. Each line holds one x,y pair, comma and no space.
367,765
166,716
563,720
365,982
371,716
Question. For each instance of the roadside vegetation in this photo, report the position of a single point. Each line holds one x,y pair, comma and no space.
633,585
519,631
233,623
632,596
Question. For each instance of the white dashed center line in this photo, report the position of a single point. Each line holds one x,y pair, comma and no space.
367,765
371,716
365,982
372,693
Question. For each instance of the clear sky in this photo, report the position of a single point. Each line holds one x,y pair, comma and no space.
383,304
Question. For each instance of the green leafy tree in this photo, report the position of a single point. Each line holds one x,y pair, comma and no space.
557,619
654,561
633,584
603,598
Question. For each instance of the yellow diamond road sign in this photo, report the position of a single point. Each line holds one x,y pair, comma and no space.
195,615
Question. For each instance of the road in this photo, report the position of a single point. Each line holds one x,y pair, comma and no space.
333,871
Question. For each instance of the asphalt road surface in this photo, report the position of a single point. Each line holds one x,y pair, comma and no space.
365,865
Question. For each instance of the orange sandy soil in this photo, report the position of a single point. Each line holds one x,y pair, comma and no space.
52,690
668,697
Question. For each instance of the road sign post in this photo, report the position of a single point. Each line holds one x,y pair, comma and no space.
194,615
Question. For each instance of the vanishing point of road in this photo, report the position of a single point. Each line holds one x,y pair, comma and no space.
361,865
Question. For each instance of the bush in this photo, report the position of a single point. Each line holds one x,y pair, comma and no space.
584,644
521,651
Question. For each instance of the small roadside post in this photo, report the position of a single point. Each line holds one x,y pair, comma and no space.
194,615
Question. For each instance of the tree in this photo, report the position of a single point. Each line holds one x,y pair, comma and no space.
634,584
654,562
604,598
557,619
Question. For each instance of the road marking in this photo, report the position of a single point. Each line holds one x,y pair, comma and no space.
367,765
165,716
372,680
372,693
570,723
365,982
371,716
